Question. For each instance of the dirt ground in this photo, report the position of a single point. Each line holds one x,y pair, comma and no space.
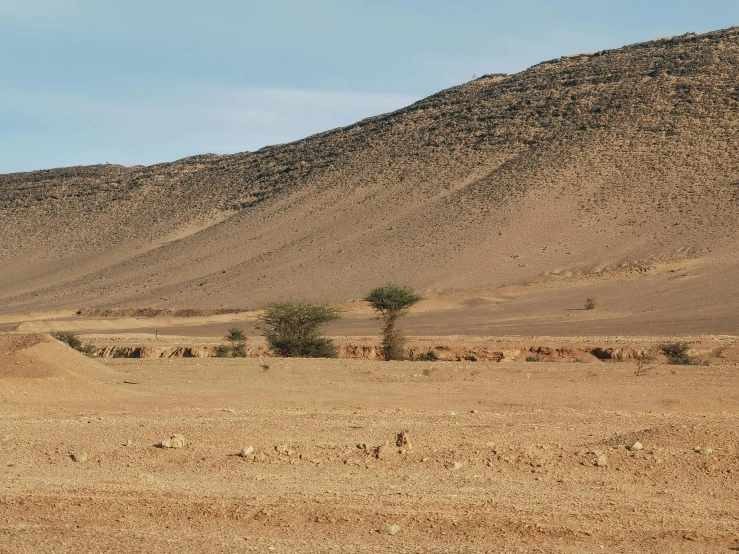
499,458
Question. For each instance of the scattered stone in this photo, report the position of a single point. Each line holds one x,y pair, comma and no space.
401,440
390,529
382,451
175,441
704,451
246,452
352,462
636,446
80,456
454,466
602,461
129,442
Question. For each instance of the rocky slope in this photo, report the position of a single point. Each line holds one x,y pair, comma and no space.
580,168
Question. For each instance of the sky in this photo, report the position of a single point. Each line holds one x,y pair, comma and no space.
148,81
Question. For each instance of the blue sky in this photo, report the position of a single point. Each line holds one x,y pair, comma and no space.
146,81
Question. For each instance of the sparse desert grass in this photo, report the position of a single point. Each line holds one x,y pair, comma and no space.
642,360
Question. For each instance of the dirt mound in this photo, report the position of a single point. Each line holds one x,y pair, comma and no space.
38,366
10,344
17,363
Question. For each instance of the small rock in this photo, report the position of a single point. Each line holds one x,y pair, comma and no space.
636,446
382,452
424,460
454,466
80,456
401,440
175,441
473,412
602,461
246,452
390,529
704,451
352,462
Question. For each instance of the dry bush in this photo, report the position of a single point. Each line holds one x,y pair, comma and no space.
293,329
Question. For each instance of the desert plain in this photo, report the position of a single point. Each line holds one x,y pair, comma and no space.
505,202
480,451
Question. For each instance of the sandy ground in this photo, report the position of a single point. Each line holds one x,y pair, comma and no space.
327,473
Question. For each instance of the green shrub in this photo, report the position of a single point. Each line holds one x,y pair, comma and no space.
533,359
238,350
73,341
589,304
68,338
223,351
237,346
429,356
235,335
88,350
318,347
677,353
294,329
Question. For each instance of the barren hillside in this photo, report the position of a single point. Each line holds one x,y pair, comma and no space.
617,170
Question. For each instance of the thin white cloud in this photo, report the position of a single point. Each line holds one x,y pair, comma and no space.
176,120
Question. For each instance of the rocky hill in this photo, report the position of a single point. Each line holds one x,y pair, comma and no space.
591,168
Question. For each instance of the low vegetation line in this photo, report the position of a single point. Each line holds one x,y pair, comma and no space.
240,346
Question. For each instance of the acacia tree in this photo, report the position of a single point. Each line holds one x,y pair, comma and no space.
294,329
392,302
237,338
